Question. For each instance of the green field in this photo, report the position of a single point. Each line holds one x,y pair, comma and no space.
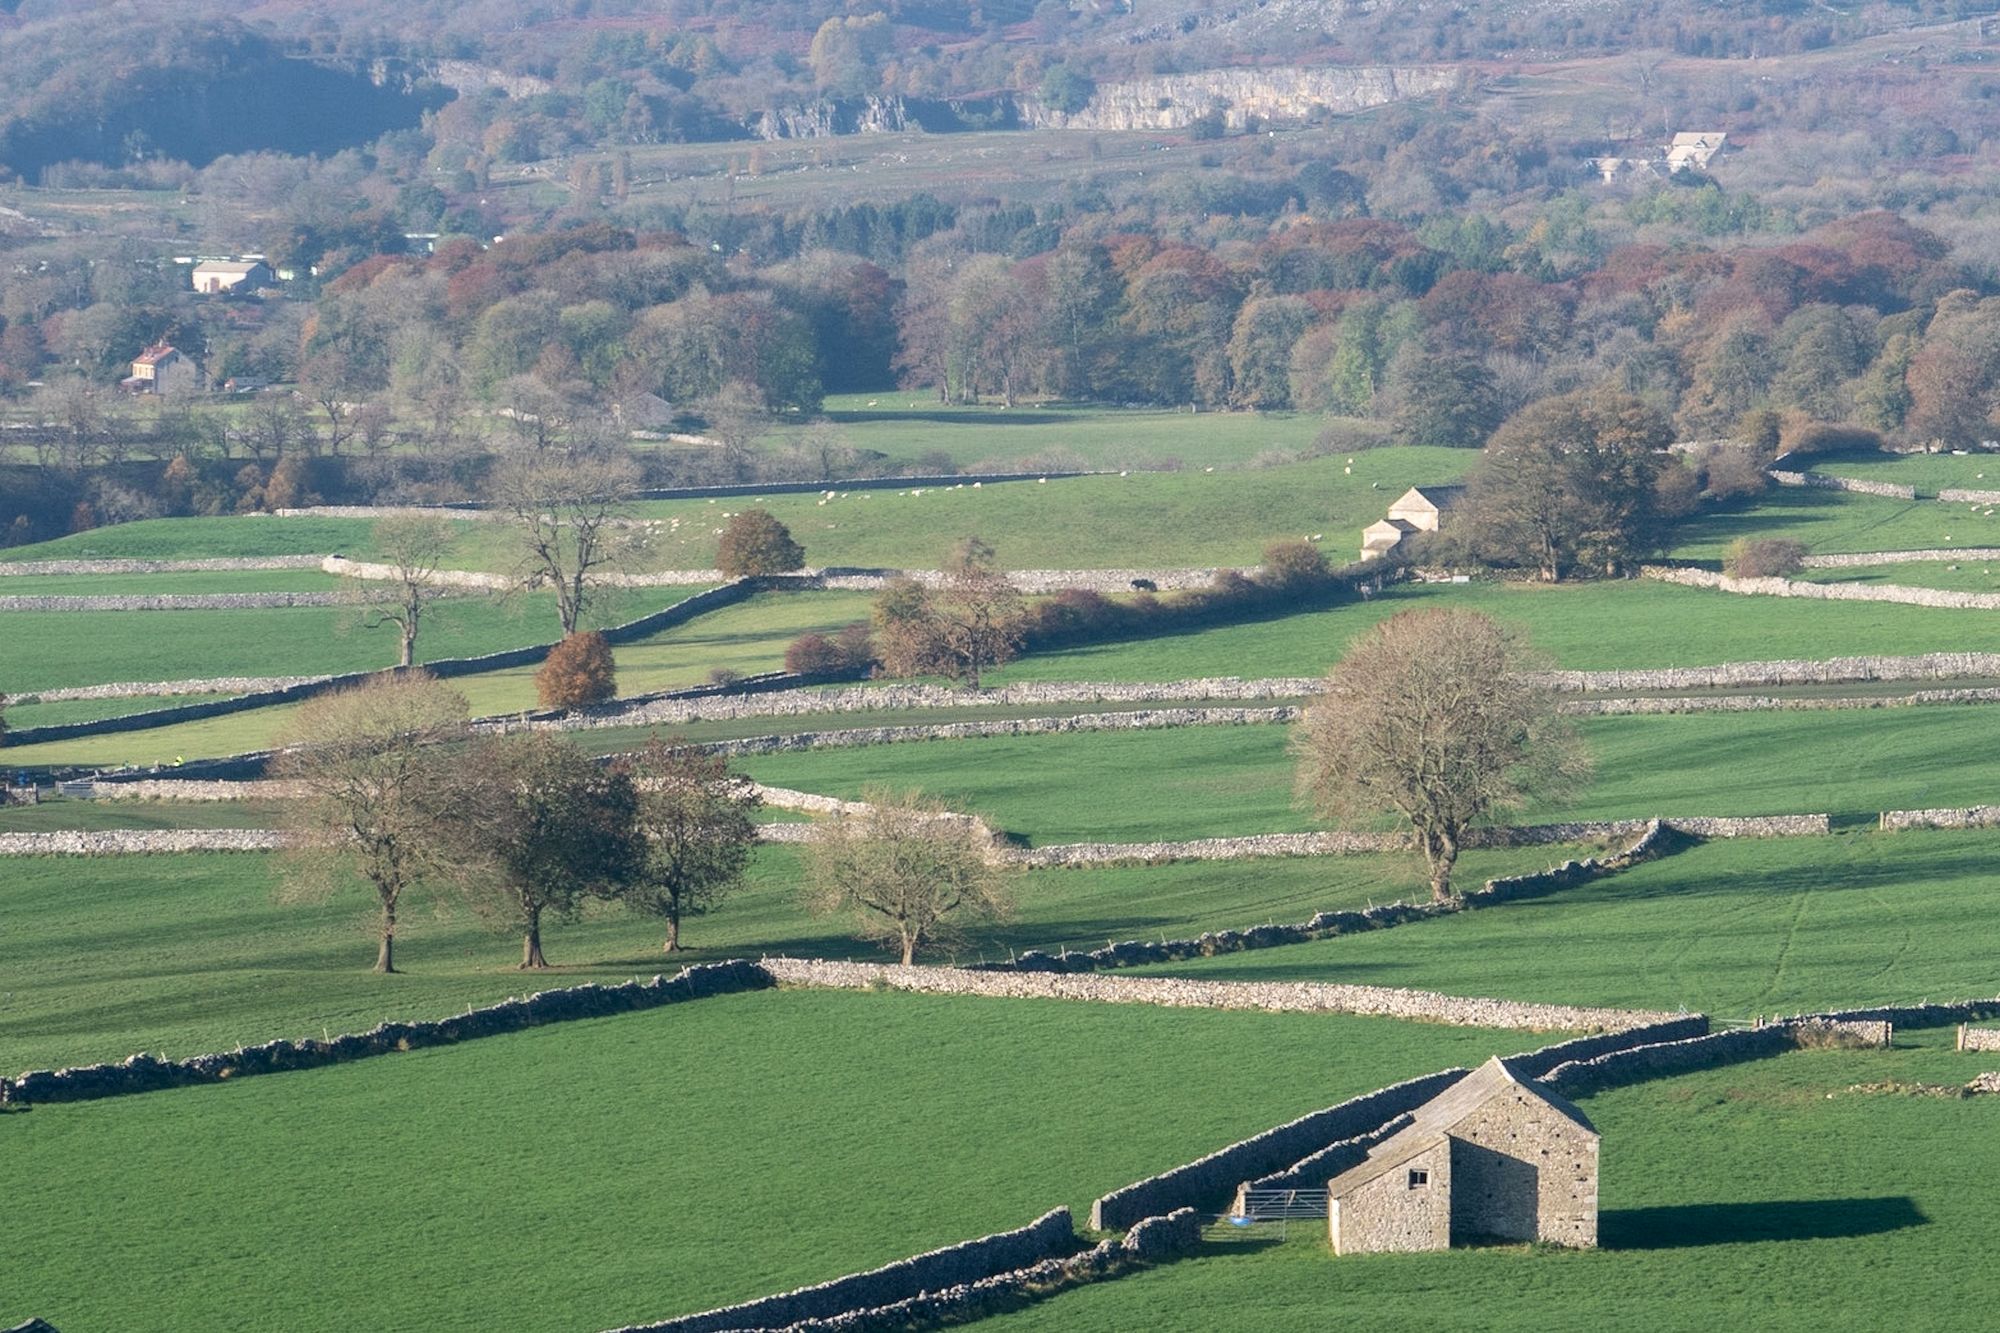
47,649
1929,473
1733,929
908,426
1198,782
1585,626
195,952
747,638
1762,1196
1835,521
589,1174
1143,520
236,536
1951,575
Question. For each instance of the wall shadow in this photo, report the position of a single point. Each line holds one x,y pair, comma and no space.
1685,1226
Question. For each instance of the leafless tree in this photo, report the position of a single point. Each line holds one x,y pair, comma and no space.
413,546
1430,717
911,871
573,522
374,771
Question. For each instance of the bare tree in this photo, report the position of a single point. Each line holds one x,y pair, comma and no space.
1430,716
413,546
573,522
698,819
373,773
911,871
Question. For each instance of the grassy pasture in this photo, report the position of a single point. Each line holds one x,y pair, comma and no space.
1929,473
234,536
48,649
749,637
197,952
1950,575
1734,929
1837,521
1763,1196
719,1150
907,426
1144,519
1215,781
1587,626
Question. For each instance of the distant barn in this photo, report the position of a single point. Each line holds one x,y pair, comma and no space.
1419,509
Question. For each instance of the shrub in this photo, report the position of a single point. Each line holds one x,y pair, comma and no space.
1763,557
850,653
579,671
723,676
1821,437
1293,564
755,543
1734,472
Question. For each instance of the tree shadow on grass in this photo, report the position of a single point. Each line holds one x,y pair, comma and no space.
1684,1226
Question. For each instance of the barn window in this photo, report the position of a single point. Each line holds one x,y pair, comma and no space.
1420,1180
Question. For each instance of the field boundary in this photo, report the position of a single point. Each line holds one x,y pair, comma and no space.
1689,577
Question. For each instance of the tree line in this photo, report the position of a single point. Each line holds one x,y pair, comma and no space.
391,786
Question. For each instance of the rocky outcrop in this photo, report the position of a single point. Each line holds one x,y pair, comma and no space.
1288,96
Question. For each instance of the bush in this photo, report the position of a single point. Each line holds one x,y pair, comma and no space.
1734,472
578,671
723,676
1293,564
1763,557
849,653
1820,437
755,543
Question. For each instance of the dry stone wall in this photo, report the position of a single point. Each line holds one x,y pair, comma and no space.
1136,720
267,562
128,842
132,689
1977,816
193,601
1155,1240
1829,592
1959,495
898,698
1750,703
1047,1237
1207,1181
1824,482
1313,1170
1867,559
1978,1039
145,1073
1791,671
1183,993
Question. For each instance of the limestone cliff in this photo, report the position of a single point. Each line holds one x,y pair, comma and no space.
1286,96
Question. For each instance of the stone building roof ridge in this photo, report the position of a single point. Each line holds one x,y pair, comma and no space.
1434,1119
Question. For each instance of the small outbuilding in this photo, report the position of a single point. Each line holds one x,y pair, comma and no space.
1493,1157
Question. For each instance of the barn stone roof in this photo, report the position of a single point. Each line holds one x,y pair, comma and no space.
1435,1118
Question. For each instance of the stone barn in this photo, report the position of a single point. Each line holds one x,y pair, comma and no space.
1419,509
1493,1157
